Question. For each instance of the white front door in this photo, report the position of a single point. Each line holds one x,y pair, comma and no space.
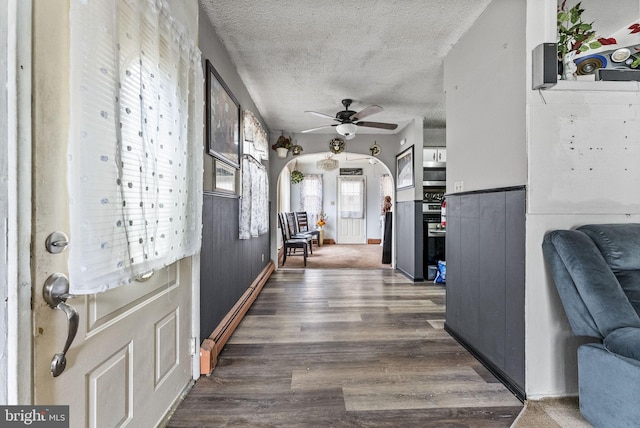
351,210
131,357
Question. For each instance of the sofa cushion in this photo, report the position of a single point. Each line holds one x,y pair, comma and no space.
624,341
618,243
630,282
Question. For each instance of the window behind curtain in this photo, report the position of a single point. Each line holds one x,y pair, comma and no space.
351,197
135,142
311,196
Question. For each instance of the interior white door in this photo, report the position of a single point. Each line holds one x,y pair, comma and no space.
351,210
131,357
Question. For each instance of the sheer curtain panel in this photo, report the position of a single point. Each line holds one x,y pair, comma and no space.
135,145
311,197
351,197
254,204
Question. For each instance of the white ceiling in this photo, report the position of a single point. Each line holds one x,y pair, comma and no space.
309,54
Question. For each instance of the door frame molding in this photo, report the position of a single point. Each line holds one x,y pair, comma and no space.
19,117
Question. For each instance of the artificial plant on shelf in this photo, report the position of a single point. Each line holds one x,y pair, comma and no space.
282,146
575,36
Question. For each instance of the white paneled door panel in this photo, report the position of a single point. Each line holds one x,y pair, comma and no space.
351,231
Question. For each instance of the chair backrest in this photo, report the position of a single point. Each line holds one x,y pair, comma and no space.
302,221
593,299
284,229
291,222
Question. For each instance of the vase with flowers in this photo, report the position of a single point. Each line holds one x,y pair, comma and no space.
322,220
282,146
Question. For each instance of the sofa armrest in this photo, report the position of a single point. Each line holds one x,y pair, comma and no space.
625,342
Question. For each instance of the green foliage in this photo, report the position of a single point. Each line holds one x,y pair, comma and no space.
296,177
573,33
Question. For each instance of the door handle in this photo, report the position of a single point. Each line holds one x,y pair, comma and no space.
56,293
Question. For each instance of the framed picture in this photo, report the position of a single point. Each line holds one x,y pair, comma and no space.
223,120
404,169
224,178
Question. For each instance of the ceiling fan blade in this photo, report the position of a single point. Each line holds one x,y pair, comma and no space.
315,129
321,114
380,125
367,111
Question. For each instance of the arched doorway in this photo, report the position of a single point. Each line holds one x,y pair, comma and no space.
320,194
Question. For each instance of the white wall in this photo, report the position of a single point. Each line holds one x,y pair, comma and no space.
484,81
5,154
319,143
412,135
434,137
330,201
583,169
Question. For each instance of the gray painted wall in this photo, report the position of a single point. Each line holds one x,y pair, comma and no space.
228,265
213,50
485,276
409,236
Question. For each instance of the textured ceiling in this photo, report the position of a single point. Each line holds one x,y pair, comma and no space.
308,55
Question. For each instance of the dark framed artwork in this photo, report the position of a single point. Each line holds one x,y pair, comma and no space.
223,120
405,176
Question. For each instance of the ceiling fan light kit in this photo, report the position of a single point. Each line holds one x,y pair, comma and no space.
351,120
347,129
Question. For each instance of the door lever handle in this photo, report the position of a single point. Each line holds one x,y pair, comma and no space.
56,292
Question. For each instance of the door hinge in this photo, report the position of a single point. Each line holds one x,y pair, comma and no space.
195,349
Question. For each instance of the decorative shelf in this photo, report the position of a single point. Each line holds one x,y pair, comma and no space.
589,86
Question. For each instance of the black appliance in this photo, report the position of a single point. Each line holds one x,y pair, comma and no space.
434,175
434,234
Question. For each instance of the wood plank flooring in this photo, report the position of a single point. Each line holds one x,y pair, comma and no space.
353,348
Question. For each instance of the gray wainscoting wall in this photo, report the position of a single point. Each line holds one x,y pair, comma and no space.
485,279
228,265
409,239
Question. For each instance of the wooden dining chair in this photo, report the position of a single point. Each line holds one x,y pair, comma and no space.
297,234
290,243
302,220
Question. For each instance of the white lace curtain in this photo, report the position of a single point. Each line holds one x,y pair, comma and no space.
135,146
351,197
254,203
256,142
311,197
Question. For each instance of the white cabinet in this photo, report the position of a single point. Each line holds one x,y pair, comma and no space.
433,154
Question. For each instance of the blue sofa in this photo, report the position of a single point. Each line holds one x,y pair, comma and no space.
596,270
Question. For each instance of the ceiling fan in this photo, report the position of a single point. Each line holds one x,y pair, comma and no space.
351,120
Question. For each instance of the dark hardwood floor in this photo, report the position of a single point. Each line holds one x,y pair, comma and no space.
355,348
